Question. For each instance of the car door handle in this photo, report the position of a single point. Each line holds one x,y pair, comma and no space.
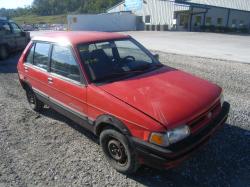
26,69
50,80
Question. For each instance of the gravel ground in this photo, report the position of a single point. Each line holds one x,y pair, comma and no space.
50,150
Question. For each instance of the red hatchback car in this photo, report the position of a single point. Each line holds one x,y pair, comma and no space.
142,111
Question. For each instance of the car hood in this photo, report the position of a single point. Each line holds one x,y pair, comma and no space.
167,95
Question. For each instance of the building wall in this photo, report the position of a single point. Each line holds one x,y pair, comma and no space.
214,13
232,4
102,22
239,16
161,12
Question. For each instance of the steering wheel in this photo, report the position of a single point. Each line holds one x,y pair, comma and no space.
128,58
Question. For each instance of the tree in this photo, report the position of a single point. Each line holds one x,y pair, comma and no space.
56,7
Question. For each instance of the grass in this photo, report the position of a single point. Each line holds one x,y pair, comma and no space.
34,19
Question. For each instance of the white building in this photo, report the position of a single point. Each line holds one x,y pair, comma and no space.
111,22
187,14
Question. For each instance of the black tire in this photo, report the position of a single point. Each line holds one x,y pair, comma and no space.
118,151
3,52
34,102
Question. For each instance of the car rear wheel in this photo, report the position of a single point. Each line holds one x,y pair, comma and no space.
34,102
3,52
118,151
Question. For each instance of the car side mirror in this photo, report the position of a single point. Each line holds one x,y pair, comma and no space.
156,56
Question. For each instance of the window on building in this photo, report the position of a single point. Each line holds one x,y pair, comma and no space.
41,55
74,19
241,23
197,21
63,63
184,20
147,19
234,23
208,21
219,21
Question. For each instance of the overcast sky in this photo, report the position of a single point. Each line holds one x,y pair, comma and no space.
14,3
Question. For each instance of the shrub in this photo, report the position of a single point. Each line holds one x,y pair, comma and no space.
244,30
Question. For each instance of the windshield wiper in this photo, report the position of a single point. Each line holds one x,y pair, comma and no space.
149,67
117,76
126,74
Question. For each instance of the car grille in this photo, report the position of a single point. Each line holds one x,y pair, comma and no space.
204,118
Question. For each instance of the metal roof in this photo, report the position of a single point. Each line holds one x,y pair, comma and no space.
243,5
116,5
231,4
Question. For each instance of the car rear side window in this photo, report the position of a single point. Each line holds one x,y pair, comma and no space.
64,64
29,58
41,55
15,28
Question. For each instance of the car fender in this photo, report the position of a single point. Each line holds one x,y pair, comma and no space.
110,121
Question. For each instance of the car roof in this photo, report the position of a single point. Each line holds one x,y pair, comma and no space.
77,37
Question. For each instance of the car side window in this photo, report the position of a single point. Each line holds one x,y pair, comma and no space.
63,63
29,58
15,28
5,28
41,55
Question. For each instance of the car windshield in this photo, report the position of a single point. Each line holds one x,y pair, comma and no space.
115,60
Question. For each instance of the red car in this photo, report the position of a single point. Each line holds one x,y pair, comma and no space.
142,111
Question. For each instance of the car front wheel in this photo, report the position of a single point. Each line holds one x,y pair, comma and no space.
34,102
118,151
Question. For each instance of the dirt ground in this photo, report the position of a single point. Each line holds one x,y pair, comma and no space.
49,150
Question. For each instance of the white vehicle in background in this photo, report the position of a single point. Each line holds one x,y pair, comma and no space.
110,22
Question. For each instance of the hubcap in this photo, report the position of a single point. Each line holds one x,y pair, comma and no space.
117,151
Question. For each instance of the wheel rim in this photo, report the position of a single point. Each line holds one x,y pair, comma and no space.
117,151
31,99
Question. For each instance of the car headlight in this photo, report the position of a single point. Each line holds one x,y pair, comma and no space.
221,99
171,137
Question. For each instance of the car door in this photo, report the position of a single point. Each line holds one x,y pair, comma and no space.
66,85
19,35
36,68
7,35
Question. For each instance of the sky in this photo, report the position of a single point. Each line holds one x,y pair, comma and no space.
14,3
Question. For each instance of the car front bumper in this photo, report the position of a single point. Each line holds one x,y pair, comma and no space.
165,158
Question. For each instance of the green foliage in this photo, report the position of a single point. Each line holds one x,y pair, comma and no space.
221,29
57,7
34,19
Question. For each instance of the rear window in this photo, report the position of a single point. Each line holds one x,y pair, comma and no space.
41,55
29,58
